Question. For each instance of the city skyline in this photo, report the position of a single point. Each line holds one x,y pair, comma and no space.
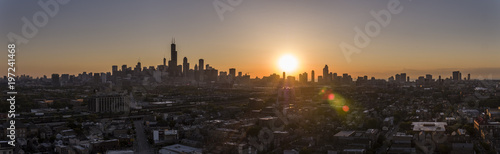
460,37
249,77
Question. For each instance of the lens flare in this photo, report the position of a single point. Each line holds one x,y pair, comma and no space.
331,97
345,108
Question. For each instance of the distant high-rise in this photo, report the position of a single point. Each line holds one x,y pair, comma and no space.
457,76
196,72
312,76
468,76
403,77
185,67
55,80
138,67
232,72
124,68
173,52
172,64
326,74
428,77
200,69
103,77
114,69
303,77
201,64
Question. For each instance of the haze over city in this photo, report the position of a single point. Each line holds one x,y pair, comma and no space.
426,37
250,77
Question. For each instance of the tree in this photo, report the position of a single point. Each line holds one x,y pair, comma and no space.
253,131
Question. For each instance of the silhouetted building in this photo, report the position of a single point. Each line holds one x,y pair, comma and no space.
201,70
138,67
64,78
103,77
303,77
211,74
114,69
173,70
428,77
55,80
326,75
232,72
457,76
312,76
185,67
403,77
196,73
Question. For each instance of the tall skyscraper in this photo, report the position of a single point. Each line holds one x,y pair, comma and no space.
172,64
114,69
326,74
200,69
173,52
196,72
201,64
185,67
312,76
468,77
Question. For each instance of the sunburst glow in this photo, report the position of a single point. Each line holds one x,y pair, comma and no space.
288,63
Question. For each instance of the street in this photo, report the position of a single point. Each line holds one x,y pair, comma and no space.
141,145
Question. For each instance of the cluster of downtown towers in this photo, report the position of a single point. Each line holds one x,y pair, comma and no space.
175,72
200,73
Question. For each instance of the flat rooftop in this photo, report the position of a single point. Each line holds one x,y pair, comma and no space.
429,126
344,134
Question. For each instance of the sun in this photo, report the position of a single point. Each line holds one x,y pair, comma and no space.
288,63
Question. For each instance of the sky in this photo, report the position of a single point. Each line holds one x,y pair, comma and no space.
424,37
